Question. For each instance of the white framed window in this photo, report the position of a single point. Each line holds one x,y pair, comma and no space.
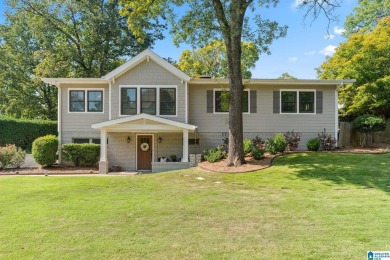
85,101
86,140
148,99
297,101
221,108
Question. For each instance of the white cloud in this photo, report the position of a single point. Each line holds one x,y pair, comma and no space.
338,30
329,36
293,59
296,3
310,52
328,50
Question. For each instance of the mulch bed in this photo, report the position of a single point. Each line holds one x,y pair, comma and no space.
53,170
220,166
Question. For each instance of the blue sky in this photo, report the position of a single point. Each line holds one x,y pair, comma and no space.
304,48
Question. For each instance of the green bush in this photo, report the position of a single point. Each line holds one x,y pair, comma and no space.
22,132
277,144
257,152
215,154
368,124
82,154
313,144
44,150
247,146
11,156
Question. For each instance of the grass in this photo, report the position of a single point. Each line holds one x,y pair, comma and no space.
307,206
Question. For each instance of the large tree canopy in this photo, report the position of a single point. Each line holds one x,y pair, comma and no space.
208,20
211,60
366,16
60,38
366,58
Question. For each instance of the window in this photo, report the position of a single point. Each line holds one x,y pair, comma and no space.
86,140
167,101
76,101
128,101
289,102
297,102
152,100
221,101
95,101
306,102
85,100
148,101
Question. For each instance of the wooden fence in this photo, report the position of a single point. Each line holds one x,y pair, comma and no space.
349,137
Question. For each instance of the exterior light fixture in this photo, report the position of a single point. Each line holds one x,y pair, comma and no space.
128,139
160,139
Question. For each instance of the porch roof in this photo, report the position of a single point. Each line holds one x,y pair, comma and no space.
144,123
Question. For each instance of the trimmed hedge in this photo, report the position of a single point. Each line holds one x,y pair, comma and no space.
82,154
44,150
23,132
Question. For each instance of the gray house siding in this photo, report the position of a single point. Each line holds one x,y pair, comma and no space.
264,122
149,73
78,125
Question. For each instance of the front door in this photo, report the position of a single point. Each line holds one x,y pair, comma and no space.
144,152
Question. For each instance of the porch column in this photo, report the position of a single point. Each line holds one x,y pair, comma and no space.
185,145
103,163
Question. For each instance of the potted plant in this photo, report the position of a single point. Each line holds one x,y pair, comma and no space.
173,158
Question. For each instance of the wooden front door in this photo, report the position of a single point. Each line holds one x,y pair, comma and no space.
144,152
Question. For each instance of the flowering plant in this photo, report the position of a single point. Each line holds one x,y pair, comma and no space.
292,140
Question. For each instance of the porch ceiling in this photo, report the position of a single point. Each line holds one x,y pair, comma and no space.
144,123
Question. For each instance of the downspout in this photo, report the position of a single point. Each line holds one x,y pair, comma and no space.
186,101
336,98
109,100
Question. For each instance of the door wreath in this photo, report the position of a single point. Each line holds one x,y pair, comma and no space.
144,147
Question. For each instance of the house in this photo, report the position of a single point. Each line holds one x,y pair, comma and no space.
147,109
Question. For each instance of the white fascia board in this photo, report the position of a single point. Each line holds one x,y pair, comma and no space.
141,57
277,81
57,81
114,122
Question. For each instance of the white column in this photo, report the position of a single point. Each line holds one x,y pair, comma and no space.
103,164
185,145
103,145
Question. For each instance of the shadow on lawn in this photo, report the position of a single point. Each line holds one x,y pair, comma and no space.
363,170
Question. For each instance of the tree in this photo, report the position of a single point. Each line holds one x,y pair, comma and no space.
211,60
366,58
61,38
366,16
218,19
285,75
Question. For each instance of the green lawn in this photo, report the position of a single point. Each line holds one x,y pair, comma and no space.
307,206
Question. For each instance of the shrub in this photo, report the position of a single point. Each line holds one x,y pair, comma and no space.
22,132
258,142
313,144
247,146
292,140
277,144
214,154
44,150
368,124
86,154
257,152
11,156
327,142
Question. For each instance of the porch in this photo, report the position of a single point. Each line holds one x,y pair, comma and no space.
143,143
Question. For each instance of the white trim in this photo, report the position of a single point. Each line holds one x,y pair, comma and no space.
157,87
146,55
185,146
59,118
162,120
109,101
298,91
186,101
279,82
136,150
85,100
226,113
336,103
57,81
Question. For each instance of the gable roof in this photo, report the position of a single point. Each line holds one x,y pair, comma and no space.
146,55
145,123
